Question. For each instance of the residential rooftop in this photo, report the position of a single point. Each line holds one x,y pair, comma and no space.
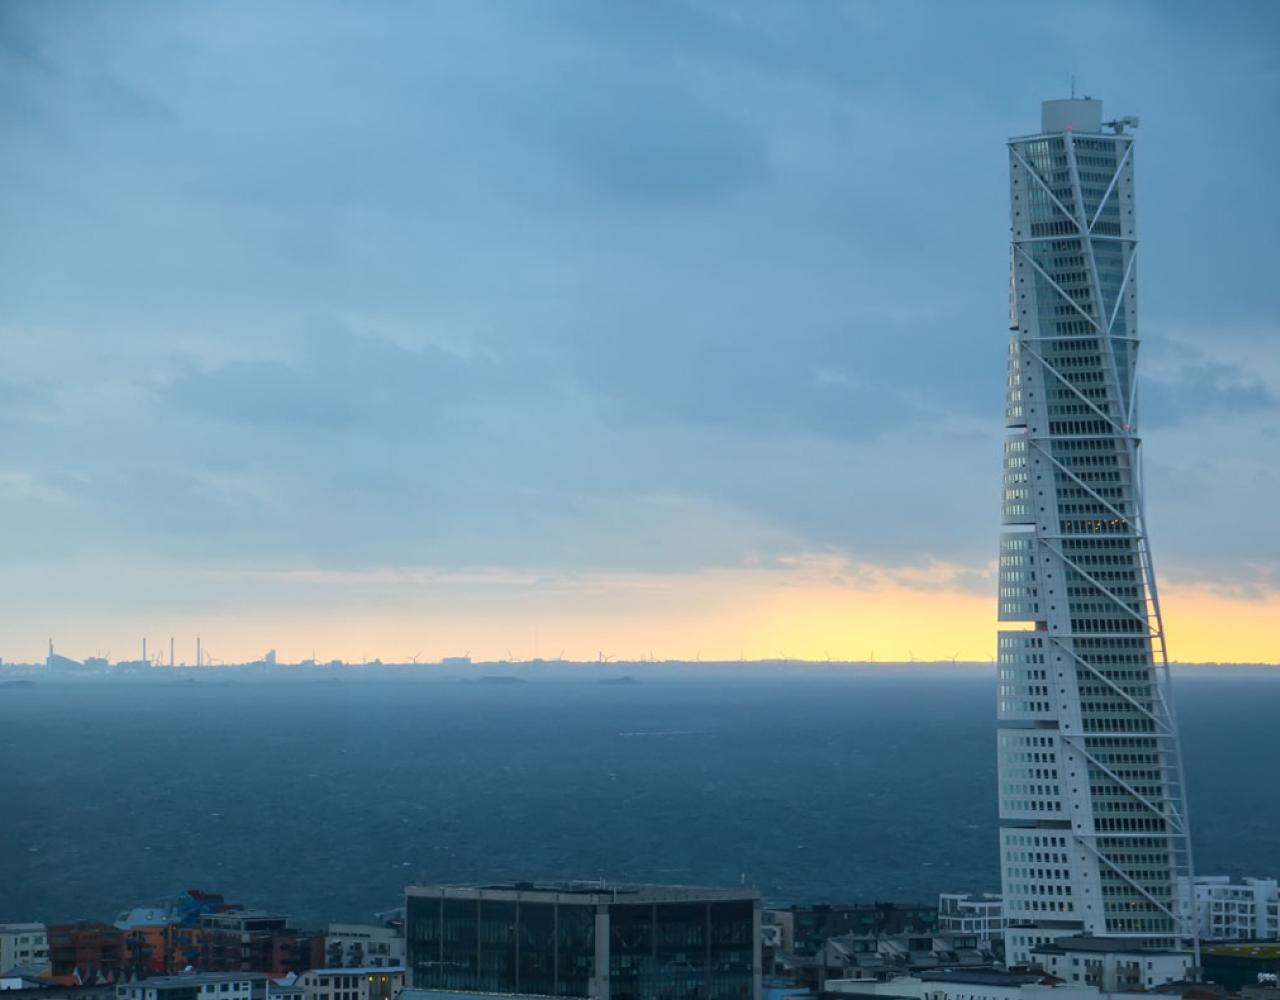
146,916
197,978
242,915
1258,949
983,977
1084,942
852,907
414,993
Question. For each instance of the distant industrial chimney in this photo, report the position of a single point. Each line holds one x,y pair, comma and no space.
198,661
170,651
144,649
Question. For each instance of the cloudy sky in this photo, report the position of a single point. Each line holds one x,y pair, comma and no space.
654,328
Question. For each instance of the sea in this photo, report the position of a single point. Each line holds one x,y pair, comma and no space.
323,800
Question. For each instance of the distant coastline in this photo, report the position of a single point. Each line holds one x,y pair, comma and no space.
509,672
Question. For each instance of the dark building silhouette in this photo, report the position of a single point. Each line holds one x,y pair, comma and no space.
586,940
92,949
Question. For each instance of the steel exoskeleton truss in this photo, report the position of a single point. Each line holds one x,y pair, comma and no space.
1033,343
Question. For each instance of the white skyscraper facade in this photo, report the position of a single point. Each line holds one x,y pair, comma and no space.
1093,820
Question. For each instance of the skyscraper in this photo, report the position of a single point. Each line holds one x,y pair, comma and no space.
1093,819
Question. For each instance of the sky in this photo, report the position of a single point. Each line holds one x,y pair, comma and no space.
573,329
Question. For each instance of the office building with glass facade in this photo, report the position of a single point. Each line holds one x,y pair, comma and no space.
607,942
1093,814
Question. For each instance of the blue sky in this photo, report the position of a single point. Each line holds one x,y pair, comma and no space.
512,312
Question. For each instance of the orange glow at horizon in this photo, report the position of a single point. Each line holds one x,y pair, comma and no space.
811,608
1203,625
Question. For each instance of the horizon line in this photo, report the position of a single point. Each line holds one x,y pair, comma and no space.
98,663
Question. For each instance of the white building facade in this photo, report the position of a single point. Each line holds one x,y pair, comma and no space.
1092,809
969,914
1111,965
1234,911
23,946
373,983
361,945
197,986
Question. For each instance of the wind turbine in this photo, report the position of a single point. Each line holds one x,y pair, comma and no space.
413,657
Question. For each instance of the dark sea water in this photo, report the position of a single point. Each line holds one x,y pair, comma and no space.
323,799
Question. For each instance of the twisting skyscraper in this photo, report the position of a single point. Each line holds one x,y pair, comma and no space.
1093,819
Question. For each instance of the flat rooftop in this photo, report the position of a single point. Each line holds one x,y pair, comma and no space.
1255,949
876,906
414,993
1117,945
242,915
197,979
583,892
981,977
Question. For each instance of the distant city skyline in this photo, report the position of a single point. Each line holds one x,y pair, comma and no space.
189,654
665,329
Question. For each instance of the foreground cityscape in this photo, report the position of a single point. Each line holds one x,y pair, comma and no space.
623,942
1099,897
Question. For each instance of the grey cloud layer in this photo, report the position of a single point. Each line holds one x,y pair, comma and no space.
640,286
